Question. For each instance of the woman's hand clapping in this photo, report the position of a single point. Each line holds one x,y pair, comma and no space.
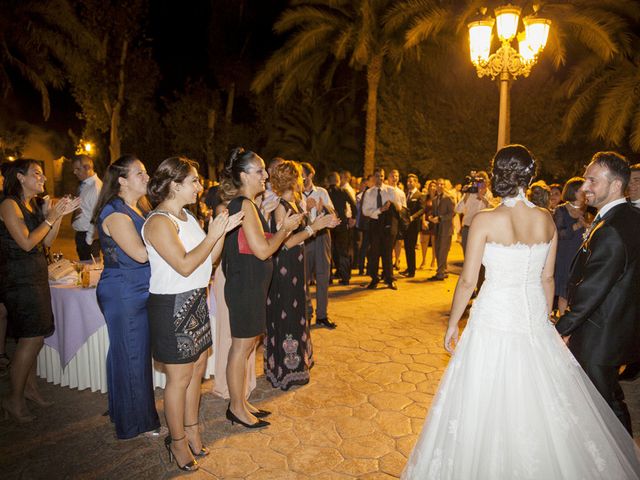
325,221
291,221
62,207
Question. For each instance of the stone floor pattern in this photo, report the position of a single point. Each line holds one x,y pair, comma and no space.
358,418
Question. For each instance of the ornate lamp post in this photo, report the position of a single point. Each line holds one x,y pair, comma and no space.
507,63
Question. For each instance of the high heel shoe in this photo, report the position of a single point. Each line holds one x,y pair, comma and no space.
261,413
18,418
192,466
233,419
204,451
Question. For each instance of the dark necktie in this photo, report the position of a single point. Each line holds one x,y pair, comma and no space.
379,198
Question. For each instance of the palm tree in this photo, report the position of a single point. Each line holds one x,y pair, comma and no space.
37,40
608,89
326,34
321,133
608,74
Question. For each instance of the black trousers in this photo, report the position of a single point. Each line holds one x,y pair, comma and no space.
341,252
363,248
85,250
381,238
605,379
410,241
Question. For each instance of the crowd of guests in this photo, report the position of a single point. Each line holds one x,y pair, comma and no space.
268,233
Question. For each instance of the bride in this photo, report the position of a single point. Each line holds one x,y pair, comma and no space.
513,402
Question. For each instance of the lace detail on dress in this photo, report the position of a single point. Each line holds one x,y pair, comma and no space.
520,197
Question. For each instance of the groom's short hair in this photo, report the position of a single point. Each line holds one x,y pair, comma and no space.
617,166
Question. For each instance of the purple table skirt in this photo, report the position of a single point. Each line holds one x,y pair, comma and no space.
77,317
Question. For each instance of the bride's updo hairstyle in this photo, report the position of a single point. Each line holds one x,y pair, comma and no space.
512,167
239,161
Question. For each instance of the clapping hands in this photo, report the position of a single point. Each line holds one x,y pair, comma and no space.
325,221
62,207
224,223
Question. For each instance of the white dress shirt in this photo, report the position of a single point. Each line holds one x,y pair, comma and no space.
603,211
473,205
317,194
88,192
388,194
636,203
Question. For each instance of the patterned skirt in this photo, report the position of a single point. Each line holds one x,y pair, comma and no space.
179,326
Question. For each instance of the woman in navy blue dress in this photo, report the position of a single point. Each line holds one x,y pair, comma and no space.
122,294
571,224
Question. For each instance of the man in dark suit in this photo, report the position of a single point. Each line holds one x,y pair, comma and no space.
442,216
345,208
415,206
602,323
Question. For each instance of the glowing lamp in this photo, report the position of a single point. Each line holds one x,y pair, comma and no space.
537,30
507,18
480,40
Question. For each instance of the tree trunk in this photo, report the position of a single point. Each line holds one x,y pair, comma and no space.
116,111
228,114
374,72
209,153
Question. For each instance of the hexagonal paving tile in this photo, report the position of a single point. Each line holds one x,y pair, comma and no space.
389,401
375,445
394,424
313,460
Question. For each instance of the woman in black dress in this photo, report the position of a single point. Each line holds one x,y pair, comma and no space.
248,267
288,354
24,232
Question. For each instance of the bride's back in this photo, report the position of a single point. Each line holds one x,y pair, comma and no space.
519,224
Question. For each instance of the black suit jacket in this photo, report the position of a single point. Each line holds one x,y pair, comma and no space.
415,206
340,199
604,292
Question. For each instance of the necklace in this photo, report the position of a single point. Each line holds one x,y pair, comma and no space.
573,206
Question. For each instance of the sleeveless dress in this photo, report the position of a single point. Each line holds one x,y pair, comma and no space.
513,402
177,306
248,280
122,294
288,353
25,280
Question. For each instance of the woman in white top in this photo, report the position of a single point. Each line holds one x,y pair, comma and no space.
181,255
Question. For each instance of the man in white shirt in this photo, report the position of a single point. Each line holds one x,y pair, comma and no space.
394,181
473,202
88,191
377,204
317,249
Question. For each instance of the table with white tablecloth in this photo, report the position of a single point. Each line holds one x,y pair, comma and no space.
75,355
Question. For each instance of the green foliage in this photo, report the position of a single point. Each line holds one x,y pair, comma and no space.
319,131
38,40
119,30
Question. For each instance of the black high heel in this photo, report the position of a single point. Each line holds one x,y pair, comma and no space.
233,419
204,451
261,413
192,466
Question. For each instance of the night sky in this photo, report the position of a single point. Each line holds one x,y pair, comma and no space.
199,39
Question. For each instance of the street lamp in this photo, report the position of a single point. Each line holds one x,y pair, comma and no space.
506,63
85,147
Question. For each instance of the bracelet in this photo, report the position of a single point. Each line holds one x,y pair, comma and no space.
48,223
309,230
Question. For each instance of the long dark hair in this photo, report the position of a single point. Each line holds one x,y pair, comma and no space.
12,186
111,186
239,161
173,169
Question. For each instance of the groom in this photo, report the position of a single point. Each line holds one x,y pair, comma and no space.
602,324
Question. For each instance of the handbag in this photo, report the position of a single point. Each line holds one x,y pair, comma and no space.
243,245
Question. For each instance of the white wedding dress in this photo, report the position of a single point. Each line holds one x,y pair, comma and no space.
513,402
